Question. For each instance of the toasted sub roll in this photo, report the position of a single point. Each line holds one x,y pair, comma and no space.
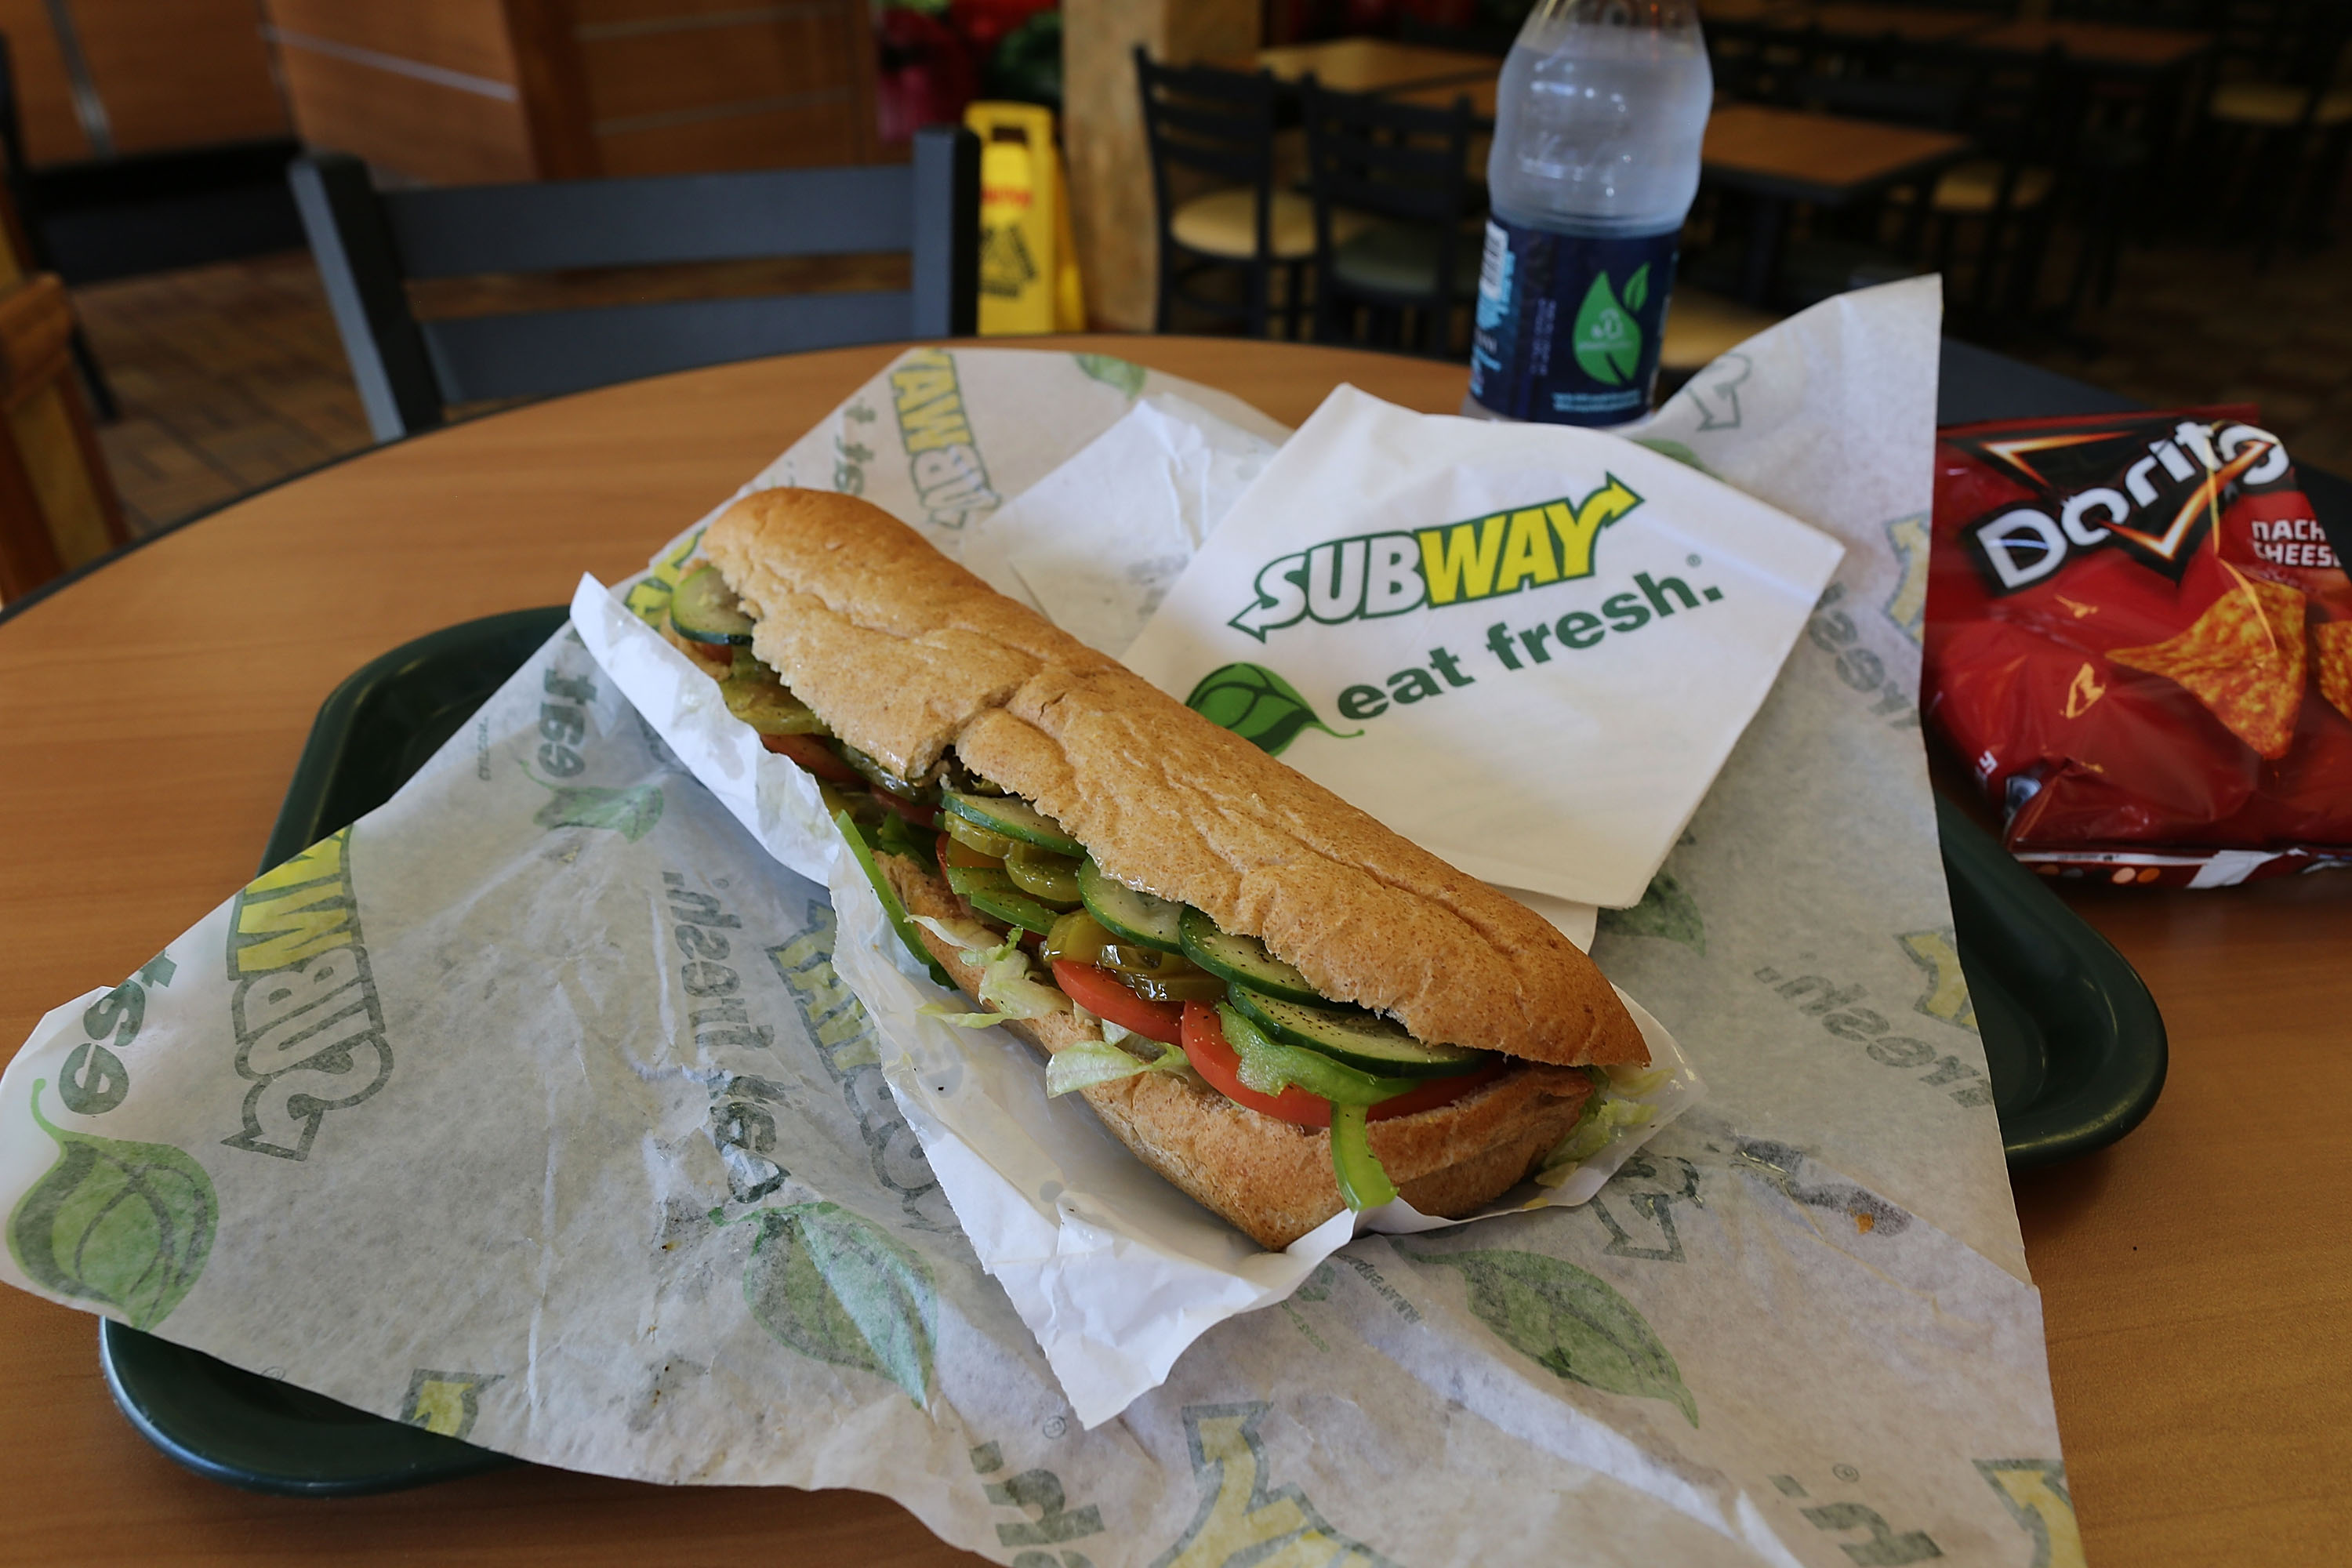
907,655
910,658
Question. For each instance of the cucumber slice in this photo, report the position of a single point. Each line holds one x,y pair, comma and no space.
992,892
1361,1040
705,609
1013,819
1129,915
1245,960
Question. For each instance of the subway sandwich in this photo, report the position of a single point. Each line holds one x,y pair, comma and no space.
1277,1002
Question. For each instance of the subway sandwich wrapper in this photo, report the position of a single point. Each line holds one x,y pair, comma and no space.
1527,648
542,1108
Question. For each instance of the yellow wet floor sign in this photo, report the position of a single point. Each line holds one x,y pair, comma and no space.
1028,264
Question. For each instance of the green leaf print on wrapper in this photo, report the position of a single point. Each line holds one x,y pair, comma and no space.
1112,371
1568,1322
126,1225
1666,911
832,1286
1608,343
631,811
1257,705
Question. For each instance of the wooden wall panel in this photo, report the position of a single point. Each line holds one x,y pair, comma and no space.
468,35
699,65
816,134
420,128
180,73
53,132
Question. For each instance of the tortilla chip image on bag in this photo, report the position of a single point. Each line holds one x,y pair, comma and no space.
2331,658
2242,658
2124,615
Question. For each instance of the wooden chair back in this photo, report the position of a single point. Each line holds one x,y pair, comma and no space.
371,244
1399,163
57,506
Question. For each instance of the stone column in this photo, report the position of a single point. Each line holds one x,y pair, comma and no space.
1102,134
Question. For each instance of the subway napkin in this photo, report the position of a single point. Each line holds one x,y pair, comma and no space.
1527,648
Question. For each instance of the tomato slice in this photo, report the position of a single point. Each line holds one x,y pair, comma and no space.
1101,994
921,815
1205,1044
815,756
719,655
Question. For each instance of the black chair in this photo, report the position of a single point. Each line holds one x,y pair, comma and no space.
1218,211
2281,110
1392,188
370,244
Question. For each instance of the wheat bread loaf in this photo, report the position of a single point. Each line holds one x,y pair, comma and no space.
905,654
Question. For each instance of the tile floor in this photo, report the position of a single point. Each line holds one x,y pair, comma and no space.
231,377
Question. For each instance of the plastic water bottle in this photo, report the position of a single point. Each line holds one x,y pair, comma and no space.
1598,122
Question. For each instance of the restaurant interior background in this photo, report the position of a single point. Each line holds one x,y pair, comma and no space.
2166,230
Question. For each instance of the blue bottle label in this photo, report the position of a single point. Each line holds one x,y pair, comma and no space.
1567,324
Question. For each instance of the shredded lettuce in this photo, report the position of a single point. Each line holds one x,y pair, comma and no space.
1006,988
1087,1063
1606,1119
970,938
1090,1062
1636,1081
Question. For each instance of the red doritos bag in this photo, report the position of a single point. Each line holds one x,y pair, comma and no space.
2141,642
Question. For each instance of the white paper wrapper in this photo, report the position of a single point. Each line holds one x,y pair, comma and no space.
1115,1272
1525,648
517,1191
1095,545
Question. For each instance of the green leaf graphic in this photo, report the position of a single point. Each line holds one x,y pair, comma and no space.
1666,911
1257,705
1112,371
832,1286
126,1225
1607,342
1570,1322
632,812
1637,289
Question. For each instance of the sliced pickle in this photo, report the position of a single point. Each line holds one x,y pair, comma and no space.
972,835
1076,938
1042,874
883,779
1188,986
770,707
1013,819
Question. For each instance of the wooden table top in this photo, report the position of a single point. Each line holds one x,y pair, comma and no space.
1815,157
1369,65
2107,45
2195,1277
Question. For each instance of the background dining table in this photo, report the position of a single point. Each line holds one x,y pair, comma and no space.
2196,1277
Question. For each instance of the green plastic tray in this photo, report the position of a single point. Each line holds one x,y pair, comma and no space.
2072,1041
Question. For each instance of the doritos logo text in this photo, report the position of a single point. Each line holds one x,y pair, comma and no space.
2154,499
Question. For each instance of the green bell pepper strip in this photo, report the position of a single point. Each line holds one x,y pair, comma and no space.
1362,1180
890,896
1270,1067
